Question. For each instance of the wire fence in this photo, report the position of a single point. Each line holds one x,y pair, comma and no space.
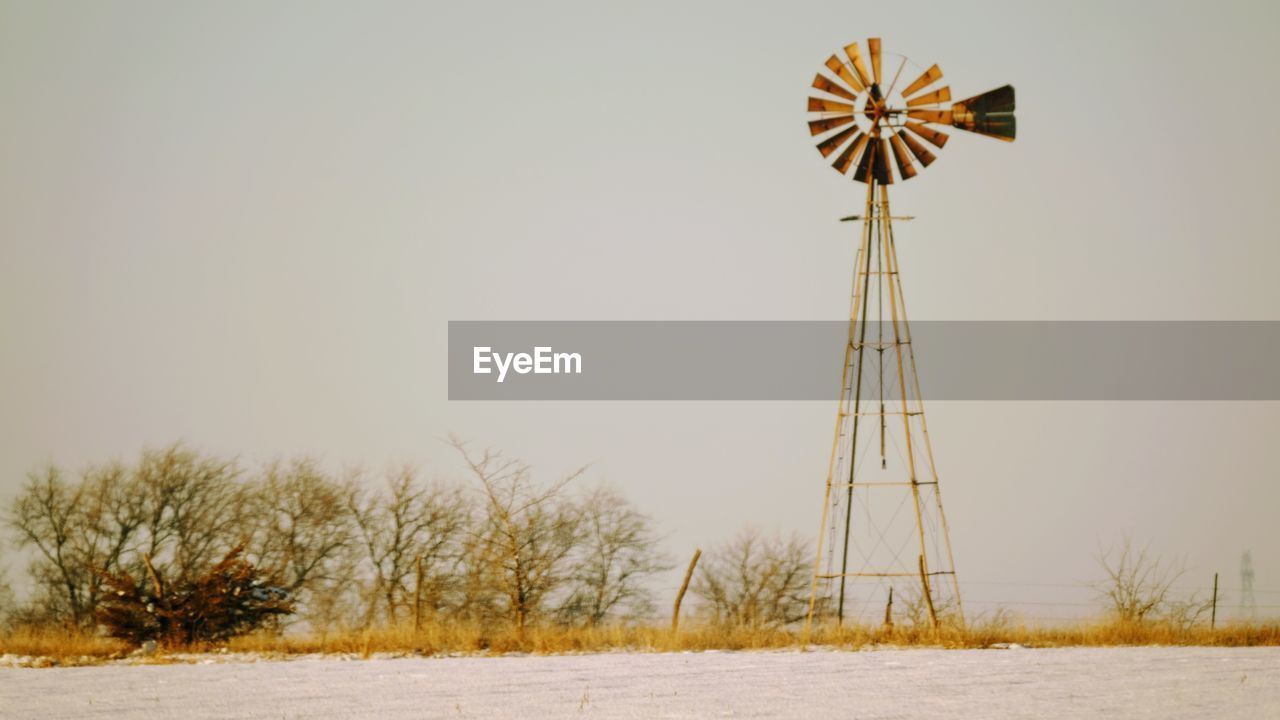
985,597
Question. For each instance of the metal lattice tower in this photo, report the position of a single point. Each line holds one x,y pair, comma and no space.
883,525
1248,605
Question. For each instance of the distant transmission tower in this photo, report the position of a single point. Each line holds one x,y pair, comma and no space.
1248,605
882,521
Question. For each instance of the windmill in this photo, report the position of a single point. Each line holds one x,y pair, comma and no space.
883,525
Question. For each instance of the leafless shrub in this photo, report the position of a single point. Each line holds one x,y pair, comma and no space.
191,510
409,520
913,609
755,581
615,557
47,516
525,534
8,604
1138,587
1186,613
300,530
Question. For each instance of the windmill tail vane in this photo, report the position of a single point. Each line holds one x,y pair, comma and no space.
880,118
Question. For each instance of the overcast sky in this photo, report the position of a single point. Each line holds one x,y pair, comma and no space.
245,226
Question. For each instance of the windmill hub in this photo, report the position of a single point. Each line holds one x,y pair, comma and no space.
875,110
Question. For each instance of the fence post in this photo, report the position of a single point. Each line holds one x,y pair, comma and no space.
688,575
1213,615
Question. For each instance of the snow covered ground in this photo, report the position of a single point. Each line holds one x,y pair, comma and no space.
1016,683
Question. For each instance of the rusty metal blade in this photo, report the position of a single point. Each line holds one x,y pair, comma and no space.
826,84
940,95
942,117
873,47
900,156
920,151
817,127
1000,100
845,159
863,173
880,163
828,146
820,105
839,68
937,138
990,114
859,67
930,76
1001,127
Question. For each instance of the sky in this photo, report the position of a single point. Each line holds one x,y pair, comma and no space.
245,226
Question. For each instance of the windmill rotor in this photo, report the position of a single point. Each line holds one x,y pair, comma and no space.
873,131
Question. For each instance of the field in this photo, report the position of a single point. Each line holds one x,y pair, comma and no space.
1126,682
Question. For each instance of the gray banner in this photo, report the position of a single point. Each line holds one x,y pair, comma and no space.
718,360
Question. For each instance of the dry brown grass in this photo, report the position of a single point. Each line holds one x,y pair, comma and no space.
463,638
60,645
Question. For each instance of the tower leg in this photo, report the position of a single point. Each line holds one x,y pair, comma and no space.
857,307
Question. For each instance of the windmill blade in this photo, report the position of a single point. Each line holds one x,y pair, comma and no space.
859,67
940,95
900,156
828,146
880,163
820,105
845,159
827,85
937,138
920,151
863,173
873,47
942,117
990,114
839,68
930,76
817,127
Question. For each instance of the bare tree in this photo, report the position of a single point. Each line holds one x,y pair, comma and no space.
755,581
303,533
193,507
616,555
477,592
8,604
46,516
76,529
525,535
407,521
1137,585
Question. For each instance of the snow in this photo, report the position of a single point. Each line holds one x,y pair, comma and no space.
1148,682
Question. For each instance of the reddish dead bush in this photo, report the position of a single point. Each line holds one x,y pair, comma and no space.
232,598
